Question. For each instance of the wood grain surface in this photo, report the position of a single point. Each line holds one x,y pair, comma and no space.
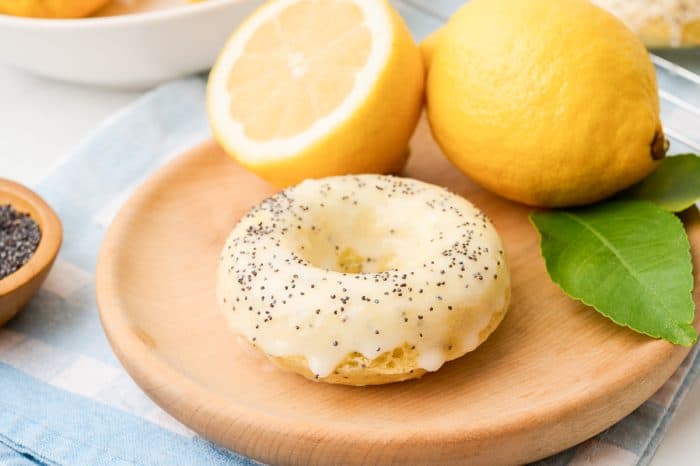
554,373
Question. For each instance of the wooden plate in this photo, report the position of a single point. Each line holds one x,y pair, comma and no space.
554,373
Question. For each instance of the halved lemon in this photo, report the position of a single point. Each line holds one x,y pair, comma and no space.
313,88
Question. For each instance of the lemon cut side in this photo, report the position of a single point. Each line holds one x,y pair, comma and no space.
316,88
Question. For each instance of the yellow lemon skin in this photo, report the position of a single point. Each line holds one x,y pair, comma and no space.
427,46
51,8
549,103
374,139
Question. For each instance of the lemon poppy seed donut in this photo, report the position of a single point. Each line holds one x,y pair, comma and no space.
363,279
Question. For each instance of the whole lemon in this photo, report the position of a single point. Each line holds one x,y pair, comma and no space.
549,103
51,8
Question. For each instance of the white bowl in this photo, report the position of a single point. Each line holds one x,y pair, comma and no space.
130,51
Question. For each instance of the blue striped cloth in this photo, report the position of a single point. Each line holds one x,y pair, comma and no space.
65,400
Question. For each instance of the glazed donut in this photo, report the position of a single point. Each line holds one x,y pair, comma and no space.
365,279
659,23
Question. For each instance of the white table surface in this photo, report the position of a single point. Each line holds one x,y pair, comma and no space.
41,120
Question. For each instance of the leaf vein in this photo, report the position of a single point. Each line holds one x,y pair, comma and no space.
599,236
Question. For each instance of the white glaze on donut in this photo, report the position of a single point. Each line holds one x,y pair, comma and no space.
432,272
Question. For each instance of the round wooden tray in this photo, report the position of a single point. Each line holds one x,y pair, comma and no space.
554,373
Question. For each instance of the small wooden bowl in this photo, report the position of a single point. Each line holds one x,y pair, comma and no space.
18,287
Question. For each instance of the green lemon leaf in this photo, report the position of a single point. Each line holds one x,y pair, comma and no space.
630,260
674,185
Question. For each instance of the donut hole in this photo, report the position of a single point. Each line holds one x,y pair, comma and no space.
352,259
355,241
